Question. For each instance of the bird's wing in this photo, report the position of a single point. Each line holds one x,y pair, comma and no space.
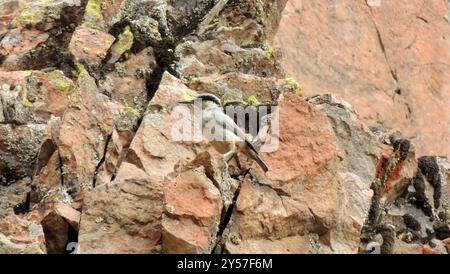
229,124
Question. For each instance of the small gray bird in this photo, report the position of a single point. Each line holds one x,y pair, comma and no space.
233,137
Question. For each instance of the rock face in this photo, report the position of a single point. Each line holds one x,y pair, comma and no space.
18,236
395,76
302,206
97,156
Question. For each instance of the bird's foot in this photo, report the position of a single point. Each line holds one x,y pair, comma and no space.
225,166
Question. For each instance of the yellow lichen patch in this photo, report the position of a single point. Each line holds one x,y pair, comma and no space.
120,68
253,101
62,84
189,94
227,102
80,69
295,86
93,13
130,110
36,12
124,42
25,101
26,18
269,52
192,80
153,30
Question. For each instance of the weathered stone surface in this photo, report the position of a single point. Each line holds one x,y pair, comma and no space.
141,175
193,208
19,146
90,45
155,165
91,147
56,233
8,11
301,197
247,22
409,209
395,77
83,134
128,82
33,96
19,236
405,248
222,56
123,216
37,33
17,44
359,147
47,188
13,197
115,152
69,214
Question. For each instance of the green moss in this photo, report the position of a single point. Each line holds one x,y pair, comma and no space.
295,86
253,101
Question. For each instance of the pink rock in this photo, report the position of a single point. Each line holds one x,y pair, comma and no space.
90,45
193,212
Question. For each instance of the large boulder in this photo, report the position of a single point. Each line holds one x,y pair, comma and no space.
19,236
395,76
302,203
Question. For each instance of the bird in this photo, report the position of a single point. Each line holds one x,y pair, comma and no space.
231,135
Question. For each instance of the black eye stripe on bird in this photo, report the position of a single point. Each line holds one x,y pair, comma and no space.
234,136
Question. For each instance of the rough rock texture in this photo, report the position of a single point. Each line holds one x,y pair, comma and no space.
397,74
19,236
93,156
304,198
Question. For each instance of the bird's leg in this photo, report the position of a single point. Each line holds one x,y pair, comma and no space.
227,157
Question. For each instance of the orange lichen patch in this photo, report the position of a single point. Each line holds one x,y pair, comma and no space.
381,166
388,169
428,250
393,176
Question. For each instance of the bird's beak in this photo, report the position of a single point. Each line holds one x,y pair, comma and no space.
186,102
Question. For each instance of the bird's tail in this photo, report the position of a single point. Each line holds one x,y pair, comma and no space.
260,162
